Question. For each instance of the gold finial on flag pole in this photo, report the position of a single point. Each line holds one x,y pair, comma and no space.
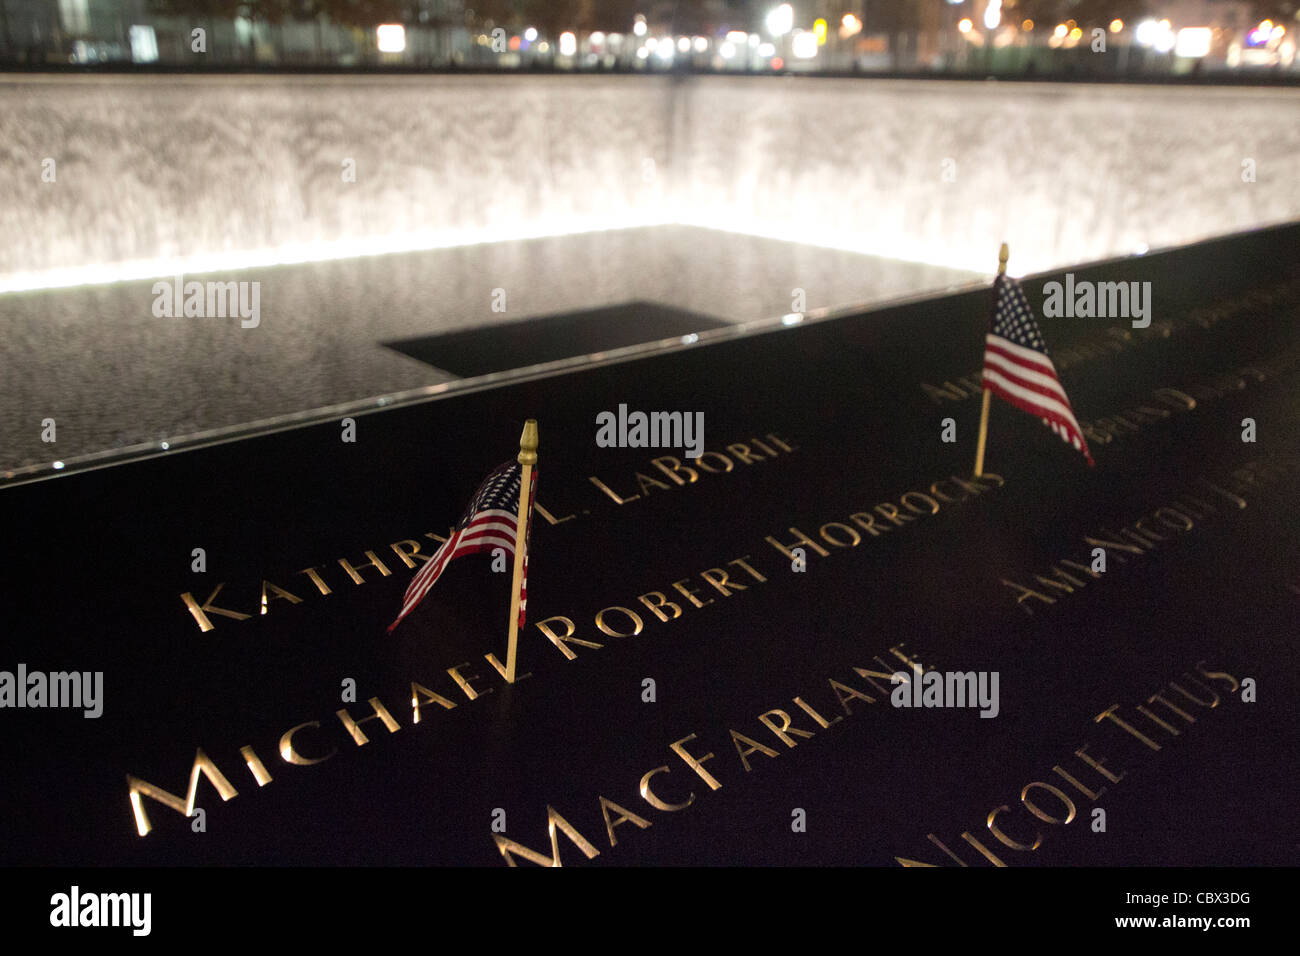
1003,254
527,459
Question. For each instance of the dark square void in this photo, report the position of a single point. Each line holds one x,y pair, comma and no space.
549,338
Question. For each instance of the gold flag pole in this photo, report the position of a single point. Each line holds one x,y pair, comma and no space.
527,458
1003,254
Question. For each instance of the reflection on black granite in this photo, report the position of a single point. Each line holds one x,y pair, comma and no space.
552,338
111,374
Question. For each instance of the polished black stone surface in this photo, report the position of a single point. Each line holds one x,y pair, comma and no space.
96,563
550,338
113,375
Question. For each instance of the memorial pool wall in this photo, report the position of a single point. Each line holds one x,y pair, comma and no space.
115,177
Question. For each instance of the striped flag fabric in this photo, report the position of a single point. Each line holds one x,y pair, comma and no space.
1018,369
489,522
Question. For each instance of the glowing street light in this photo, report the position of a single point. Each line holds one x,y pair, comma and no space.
850,26
530,34
964,25
993,14
804,45
1116,25
1160,36
638,26
390,37
568,44
780,20
1194,42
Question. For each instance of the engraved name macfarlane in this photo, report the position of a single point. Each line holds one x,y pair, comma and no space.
779,731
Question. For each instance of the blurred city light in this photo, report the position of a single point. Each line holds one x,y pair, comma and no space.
144,44
1193,41
903,41
1264,32
390,37
1165,41
804,45
993,14
780,20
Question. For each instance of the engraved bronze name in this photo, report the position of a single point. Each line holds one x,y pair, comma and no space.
1103,431
1115,340
1052,805
739,454
1178,515
308,743
719,582
313,581
778,730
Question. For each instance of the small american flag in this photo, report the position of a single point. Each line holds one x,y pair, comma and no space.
489,522
1018,369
